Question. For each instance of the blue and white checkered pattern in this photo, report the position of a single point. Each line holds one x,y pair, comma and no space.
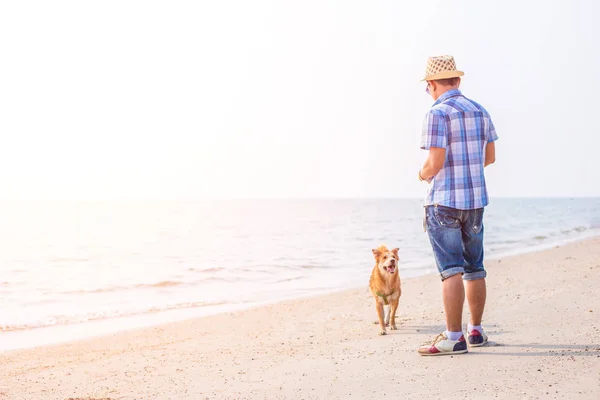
463,128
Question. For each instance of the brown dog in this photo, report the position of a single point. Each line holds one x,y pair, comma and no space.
385,286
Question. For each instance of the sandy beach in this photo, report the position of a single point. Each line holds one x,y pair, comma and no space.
542,318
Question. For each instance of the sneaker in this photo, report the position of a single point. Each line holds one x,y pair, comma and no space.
477,338
442,345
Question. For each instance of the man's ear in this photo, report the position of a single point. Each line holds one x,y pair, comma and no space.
434,86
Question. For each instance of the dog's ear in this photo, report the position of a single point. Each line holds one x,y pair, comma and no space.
376,253
395,251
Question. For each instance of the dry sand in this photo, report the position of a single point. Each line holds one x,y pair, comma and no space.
542,317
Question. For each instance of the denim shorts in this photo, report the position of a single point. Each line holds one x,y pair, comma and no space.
456,237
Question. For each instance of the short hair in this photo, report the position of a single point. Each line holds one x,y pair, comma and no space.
447,81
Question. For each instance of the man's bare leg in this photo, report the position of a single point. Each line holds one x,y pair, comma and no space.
453,293
476,294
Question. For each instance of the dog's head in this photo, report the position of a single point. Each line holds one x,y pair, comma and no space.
387,260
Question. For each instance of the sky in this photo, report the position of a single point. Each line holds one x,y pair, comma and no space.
262,99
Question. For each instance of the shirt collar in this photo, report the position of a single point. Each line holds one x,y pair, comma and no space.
447,95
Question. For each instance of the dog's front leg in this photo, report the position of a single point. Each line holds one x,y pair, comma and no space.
380,315
387,315
393,308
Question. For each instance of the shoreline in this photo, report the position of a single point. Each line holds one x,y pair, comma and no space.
65,333
541,317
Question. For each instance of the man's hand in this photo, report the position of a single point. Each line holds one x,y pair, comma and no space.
428,180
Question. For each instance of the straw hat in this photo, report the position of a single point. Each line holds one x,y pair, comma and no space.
441,67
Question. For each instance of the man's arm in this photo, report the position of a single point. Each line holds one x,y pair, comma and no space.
490,154
433,164
434,138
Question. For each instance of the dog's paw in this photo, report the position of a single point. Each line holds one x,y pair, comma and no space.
393,327
382,332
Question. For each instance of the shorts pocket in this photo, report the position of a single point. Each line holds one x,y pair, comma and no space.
447,217
476,221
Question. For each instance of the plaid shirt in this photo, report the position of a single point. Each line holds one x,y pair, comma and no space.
463,128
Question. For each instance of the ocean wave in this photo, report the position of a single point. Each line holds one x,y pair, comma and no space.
148,286
18,270
259,270
564,232
293,278
69,260
206,270
99,316
364,239
509,241
161,284
578,229
312,266
263,269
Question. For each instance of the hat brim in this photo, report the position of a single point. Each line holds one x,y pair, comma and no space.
443,75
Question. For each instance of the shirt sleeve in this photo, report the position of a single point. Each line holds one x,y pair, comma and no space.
492,135
435,132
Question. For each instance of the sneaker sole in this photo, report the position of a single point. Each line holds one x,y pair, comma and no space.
478,344
445,353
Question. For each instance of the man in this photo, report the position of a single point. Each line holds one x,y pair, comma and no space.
460,136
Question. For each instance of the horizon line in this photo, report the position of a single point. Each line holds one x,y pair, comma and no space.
524,197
